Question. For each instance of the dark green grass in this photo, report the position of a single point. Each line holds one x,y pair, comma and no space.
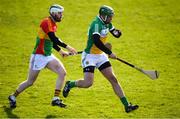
150,40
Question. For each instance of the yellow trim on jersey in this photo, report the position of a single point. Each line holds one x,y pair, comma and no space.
95,50
42,34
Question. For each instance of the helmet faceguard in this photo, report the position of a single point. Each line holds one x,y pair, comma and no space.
55,12
106,13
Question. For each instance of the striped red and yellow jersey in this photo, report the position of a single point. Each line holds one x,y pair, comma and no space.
43,43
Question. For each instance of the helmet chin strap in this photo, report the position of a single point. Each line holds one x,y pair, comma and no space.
52,18
104,19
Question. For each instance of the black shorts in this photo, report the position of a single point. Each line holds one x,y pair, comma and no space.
91,68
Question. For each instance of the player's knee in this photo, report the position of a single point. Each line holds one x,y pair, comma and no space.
88,84
30,83
62,72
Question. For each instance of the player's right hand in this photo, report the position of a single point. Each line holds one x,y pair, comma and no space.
112,56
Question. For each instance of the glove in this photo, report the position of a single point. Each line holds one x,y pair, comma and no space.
116,33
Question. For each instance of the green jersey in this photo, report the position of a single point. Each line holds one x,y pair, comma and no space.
100,28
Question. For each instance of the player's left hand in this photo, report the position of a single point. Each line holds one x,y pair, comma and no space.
71,50
117,33
63,53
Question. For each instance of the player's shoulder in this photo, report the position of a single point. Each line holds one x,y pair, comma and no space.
46,20
96,21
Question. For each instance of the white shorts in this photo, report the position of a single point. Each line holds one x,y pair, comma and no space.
93,59
38,61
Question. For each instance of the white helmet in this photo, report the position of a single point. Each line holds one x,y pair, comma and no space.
54,10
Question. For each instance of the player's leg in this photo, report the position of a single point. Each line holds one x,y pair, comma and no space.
56,66
86,82
107,72
32,76
82,83
88,64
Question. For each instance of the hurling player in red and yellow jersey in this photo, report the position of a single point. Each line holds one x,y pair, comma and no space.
42,56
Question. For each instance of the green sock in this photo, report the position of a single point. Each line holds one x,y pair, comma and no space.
124,101
72,84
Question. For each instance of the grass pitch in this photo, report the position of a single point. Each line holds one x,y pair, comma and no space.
151,40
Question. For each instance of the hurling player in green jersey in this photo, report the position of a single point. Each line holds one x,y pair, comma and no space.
95,56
